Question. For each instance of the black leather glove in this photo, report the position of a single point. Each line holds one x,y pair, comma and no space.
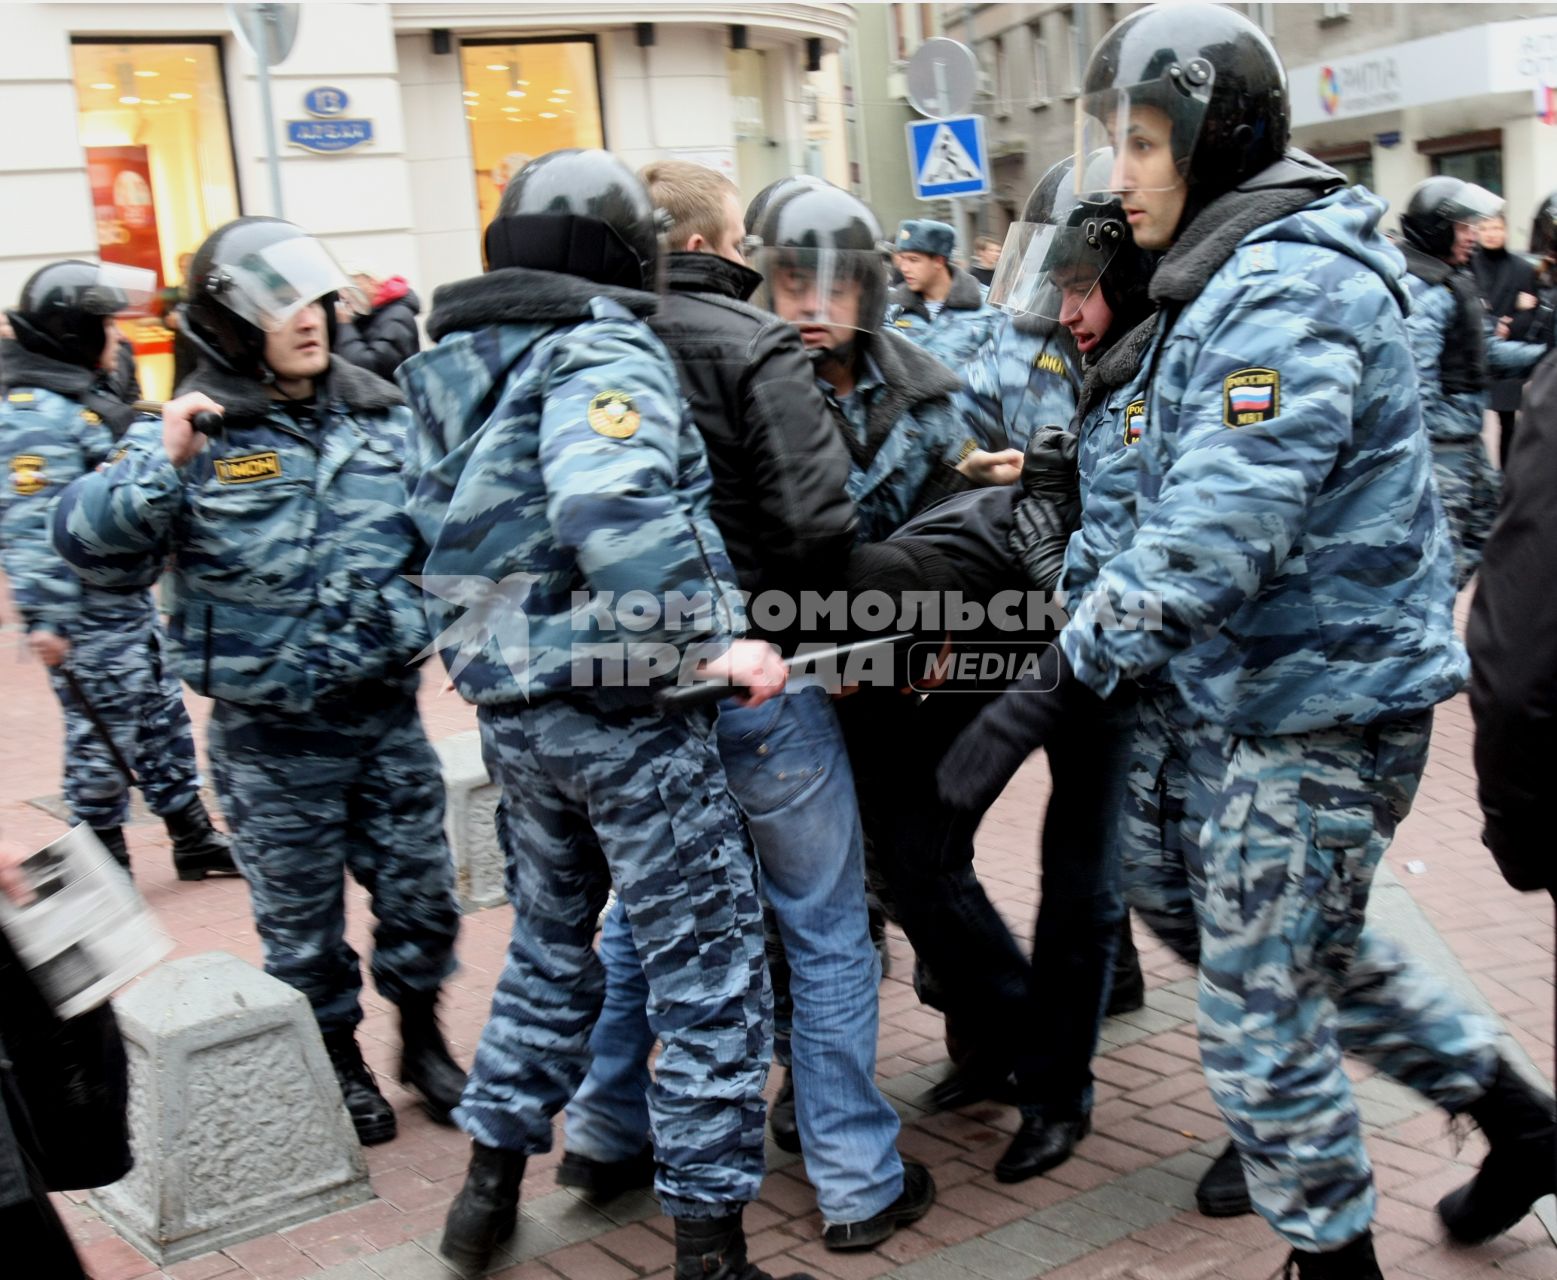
1049,466
986,755
1050,508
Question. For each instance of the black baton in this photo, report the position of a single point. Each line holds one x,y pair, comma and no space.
97,723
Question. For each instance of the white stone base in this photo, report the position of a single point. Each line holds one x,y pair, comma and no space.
470,820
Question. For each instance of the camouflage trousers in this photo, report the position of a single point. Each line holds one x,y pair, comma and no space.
119,666
1468,488
593,797
1253,858
353,787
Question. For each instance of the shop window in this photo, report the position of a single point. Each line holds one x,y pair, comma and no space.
152,119
524,98
1483,166
1359,172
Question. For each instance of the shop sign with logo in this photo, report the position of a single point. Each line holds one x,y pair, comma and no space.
330,130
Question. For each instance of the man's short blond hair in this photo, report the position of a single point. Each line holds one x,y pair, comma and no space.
694,197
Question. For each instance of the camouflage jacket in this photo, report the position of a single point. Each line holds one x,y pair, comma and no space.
904,436
1025,376
286,539
1288,526
964,323
1110,422
51,435
556,460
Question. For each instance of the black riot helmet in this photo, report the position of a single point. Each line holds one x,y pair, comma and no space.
1543,230
250,278
1436,205
1213,73
820,259
63,305
579,213
761,200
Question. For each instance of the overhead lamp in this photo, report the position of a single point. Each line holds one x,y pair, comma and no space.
147,75
516,93
102,84
497,66
181,97
548,115
510,109
129,100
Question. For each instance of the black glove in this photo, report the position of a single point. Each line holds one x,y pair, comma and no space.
1049,466
987,754
1050,509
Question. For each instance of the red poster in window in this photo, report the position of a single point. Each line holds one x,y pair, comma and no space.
126,215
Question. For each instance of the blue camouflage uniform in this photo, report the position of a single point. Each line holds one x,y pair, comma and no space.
1025,376
1468,484
116,645
963,324
554,451
1288,526
287,542
903,433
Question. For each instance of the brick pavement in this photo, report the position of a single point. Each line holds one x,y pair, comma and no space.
1122,1209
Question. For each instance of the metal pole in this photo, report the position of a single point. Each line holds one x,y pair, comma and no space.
267,15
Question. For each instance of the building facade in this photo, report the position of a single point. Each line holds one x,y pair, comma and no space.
397,125
1389,93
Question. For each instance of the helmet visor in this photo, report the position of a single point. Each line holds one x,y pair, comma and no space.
268,286
1472,203
1048,271
822,286
1152,128
117,288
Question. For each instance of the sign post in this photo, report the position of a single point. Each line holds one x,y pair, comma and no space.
268,31
943,76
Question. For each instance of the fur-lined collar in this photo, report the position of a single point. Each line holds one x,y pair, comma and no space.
21,367
240,397
910,375
1423,265
1117,365
964,295
521,295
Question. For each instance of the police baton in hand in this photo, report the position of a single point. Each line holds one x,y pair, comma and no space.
684,697
205,422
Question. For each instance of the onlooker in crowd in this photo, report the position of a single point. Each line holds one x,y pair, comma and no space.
379,339
1507,285
986,253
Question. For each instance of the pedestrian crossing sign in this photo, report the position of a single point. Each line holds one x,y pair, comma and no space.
948,157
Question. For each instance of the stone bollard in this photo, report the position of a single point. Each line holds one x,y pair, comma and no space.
470,821
236,1119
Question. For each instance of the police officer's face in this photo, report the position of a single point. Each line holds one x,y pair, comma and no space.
1147,175
797,299
111,341
920,270
1464,243
301,348
1083,308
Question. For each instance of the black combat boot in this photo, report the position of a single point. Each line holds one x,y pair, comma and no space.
1128,992
199,849
1521,1167
486,1211
113,841
781,1116
1224,1191
425,1064
715,1249
1353,1262
603,1180
373,1117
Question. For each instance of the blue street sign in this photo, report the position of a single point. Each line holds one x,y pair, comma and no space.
948,157
329,135
325,101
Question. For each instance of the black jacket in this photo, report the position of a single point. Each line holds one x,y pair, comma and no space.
1501,277
1512,637
778,461
380,342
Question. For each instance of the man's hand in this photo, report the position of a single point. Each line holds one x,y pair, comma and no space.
983,467
48,648
179,436
754,666
1501,331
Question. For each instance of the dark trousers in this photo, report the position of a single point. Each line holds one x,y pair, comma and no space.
1506,421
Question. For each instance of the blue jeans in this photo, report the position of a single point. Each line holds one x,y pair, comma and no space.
789,772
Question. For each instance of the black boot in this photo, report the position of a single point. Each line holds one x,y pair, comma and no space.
603,1180
1224,1191
1521,1167
113,841
715,1249
878,937
425,1064
1128,992
486,1211
1040,1145
1353,1262
781,1116
199,849
373,1117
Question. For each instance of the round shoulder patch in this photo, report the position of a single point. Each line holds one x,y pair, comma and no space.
613,414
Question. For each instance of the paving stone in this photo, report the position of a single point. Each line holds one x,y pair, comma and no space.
1073,1219
409,1261
991,1260
1123,1205
1039,1242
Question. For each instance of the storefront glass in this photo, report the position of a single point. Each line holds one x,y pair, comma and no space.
524,98
1483,166
152,118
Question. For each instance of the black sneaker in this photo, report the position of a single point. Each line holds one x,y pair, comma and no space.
913,1203
1224,1191
781,1116
604,1180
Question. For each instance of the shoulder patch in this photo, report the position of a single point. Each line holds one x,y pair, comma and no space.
249,468
28,474
1049,363
1258,258
1250,396
21,397
91,417
613,414
1135,419
904,323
